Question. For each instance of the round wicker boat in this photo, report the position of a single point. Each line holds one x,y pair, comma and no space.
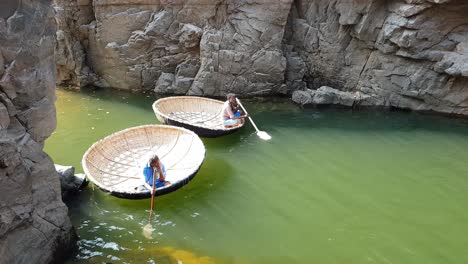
199,114
115,164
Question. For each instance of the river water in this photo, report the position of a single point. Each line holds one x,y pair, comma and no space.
332,186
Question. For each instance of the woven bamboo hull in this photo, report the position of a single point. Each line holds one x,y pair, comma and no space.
200,131
138,196
169,111
115,164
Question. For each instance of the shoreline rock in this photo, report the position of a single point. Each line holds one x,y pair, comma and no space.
329,96
34,222
70,182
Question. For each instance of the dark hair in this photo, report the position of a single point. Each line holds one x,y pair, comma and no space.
230,95
153,158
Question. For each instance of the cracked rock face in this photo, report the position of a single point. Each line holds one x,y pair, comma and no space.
229,46
402,53
34,225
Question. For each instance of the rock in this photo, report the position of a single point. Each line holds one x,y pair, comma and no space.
329,96
8,8
80,180
408,54
389,47
4,119
2,64
164,84
303,97
70,183
34,223
295,71
66,172
185,75
182,85
189,35
325,95
188,68
130,46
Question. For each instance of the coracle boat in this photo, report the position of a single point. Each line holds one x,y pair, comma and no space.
199,114
115,163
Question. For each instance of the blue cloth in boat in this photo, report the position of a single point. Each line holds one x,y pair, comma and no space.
148,173
231,122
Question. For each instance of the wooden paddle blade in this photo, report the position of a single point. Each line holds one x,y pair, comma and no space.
148,231
263,135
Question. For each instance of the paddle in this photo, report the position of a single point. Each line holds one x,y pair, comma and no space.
148,228
152,193
261,134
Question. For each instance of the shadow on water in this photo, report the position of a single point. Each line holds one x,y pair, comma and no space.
253,105
143,101
204,184
95,211
227,141
274,113
363,120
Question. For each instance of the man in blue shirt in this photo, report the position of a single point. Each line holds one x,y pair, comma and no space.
154,165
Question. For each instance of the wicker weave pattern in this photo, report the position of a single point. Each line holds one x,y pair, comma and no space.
116,163
200,112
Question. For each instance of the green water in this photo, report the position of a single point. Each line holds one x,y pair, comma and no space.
333,186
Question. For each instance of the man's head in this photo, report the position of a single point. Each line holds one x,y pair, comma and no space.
231,98
154,160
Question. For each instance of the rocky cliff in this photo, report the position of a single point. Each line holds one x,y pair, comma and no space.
407,54
34,225
203,47
401,53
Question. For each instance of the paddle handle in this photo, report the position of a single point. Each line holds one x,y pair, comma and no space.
152,193
245,111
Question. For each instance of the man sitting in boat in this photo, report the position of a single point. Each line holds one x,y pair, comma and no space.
154,165
232,115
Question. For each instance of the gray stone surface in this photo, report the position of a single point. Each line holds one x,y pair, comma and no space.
329,96
165,83
406,54
34,224
65,171
8,8
69,182
402,53
237,44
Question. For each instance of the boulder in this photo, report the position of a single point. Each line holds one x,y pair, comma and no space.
69,182
329,96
